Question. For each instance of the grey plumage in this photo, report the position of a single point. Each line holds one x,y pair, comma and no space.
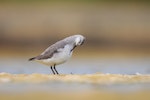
48,53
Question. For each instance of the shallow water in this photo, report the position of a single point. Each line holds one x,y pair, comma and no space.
79,66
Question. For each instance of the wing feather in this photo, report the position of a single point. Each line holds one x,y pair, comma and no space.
48,53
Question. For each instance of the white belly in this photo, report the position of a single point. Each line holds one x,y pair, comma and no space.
58,58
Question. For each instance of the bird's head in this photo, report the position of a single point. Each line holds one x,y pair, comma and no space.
79,40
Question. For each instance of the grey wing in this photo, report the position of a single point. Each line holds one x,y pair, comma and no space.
48,53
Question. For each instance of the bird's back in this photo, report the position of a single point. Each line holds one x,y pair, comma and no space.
48,53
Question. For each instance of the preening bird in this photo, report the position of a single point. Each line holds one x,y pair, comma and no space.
59,52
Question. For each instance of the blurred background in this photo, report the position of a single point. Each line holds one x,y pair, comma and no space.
29,26
117,38
117,34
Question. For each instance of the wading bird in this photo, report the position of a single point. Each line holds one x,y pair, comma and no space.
59,52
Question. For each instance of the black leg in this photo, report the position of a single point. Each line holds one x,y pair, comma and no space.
52,70
55,70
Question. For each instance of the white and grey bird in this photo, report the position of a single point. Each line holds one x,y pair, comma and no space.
59,52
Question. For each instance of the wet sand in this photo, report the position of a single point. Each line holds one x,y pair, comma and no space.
81,94
87,78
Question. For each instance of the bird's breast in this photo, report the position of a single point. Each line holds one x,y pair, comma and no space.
63,53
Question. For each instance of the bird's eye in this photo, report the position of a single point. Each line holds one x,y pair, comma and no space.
80,42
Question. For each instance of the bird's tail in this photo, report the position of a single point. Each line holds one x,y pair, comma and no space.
32,59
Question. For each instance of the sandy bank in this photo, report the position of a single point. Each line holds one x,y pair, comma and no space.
87,78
